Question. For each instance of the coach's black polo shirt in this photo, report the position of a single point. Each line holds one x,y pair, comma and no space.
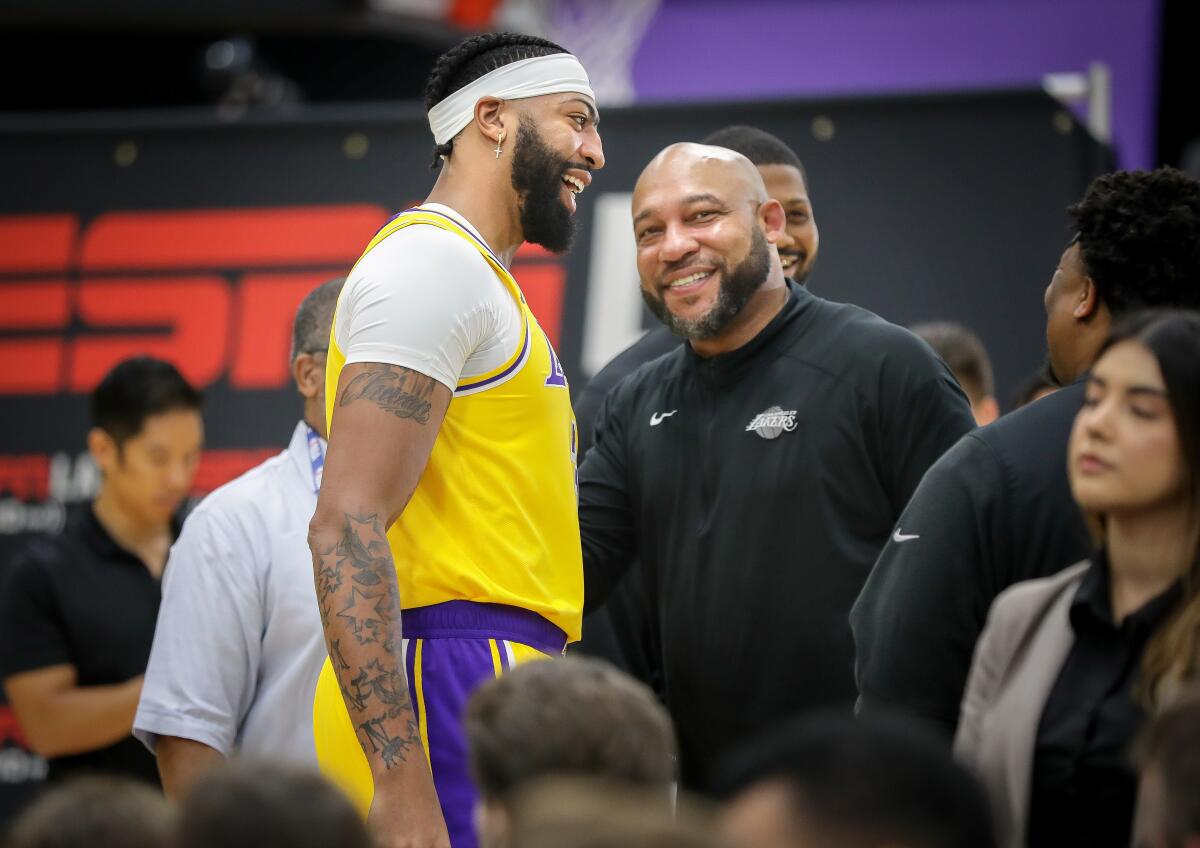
79,598
755,489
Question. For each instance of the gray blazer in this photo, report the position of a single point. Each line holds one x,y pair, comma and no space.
1017,659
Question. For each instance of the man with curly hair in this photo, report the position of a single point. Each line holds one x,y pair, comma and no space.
997,507
448,496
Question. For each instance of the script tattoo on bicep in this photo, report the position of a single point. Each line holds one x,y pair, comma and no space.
401,391
360,602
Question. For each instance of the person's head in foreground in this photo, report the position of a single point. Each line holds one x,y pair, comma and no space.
1168,753
583,813
1134,466
573,716
266,806
705,229
966,356
96,812
829,781
516,113
786,181
1137,246
146,439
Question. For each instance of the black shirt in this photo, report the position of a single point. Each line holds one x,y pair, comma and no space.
756,489
996,509
622,631
80,599
1082,787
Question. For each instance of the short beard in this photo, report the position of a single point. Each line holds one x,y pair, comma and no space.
537,173
738,285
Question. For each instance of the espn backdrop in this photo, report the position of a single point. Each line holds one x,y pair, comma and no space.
190,239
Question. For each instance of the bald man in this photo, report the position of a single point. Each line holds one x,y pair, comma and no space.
755,472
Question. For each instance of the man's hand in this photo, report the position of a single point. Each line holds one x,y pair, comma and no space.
405,813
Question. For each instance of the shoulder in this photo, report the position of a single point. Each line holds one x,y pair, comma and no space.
416,252
240,501
649,380
857,340
1029,443
649,347
1023,604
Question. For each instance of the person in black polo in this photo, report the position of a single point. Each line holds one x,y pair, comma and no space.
997,508
77,611
755,472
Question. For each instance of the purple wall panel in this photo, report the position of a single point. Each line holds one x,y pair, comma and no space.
726,49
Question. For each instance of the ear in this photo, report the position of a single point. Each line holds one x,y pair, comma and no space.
773,219
102,447
309,374
1087,301
490,118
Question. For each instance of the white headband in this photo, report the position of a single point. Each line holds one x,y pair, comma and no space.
553,74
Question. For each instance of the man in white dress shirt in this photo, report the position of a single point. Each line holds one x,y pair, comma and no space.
238,645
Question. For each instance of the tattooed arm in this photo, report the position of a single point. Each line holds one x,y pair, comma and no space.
385,421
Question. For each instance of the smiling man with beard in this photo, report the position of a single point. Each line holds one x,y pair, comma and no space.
445,541
755,472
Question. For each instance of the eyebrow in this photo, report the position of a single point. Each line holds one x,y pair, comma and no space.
1133,390
593,115
686,201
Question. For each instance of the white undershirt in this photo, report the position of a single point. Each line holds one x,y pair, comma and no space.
425,299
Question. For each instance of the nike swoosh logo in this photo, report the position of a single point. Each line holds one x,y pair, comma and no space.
903,537
657,417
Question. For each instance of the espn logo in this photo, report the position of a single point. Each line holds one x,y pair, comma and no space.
212,290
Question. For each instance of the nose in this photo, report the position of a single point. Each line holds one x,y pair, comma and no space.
1097,419
592,149
677,243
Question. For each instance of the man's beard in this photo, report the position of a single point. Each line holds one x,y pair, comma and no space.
738,285
537,177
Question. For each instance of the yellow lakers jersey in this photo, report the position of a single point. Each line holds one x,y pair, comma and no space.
494,517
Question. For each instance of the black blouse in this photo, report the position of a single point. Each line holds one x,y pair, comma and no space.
1083,784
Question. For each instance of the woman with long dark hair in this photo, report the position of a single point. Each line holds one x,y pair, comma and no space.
1069,665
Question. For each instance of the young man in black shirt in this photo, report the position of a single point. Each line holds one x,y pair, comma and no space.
756,471
77,611
997,508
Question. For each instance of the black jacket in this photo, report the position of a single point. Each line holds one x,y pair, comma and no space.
994,510
756,489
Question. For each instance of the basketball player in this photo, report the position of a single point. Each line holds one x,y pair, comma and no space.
449,488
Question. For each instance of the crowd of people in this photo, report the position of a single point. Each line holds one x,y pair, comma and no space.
842,601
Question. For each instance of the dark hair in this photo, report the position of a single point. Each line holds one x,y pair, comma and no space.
1173,337
572,716
469,60
1139,238
96,812
314,316
879,776
268,806
589,813
963,352
1170,744
759,146
134,390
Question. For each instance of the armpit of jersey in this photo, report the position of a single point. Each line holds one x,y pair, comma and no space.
424,299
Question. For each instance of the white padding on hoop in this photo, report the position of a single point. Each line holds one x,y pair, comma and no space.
553,74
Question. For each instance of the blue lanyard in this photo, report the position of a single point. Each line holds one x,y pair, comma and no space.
316,455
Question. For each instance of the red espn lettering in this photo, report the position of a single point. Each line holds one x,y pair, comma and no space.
26,476
186,309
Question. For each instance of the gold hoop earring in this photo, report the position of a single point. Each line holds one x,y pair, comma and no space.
499,142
